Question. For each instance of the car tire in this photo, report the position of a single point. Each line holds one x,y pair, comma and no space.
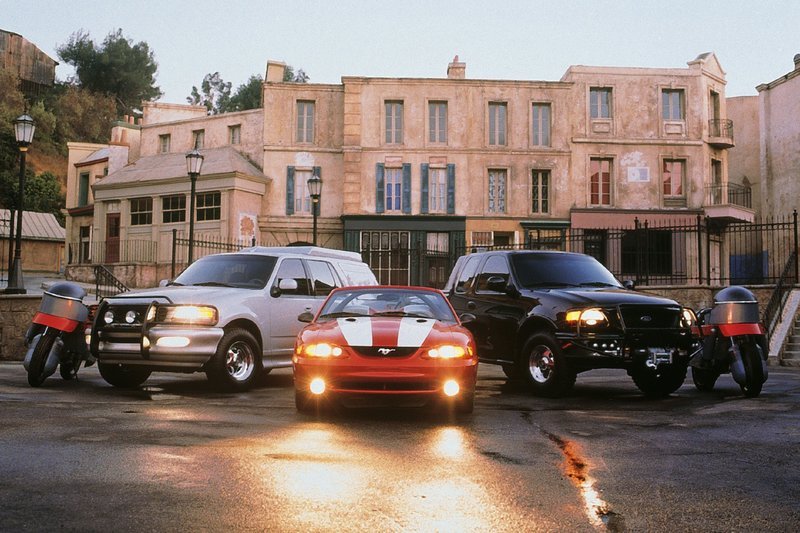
704,378
236,366
466,404
661,381
123,376
307,403
544,367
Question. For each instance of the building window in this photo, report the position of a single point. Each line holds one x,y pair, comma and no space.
163,143
173,208
305,122
198,139
437,122
600,102
394,189
672,104
540,191
540,135
600,182
302,198
547,239
394,122
141,211
85,236
673,177
497,123
235,134
387,254
497,191
437,190
83,189
208,206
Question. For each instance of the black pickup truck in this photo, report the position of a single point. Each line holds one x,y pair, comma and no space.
547,316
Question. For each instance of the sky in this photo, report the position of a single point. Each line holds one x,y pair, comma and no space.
755,41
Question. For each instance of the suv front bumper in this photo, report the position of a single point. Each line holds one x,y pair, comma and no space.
169,347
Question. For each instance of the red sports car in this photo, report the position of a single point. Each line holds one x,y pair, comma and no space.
369,345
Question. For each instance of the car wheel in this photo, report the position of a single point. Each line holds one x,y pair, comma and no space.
237,364
704,378
303,402
465,404
659,382
544,367
123,376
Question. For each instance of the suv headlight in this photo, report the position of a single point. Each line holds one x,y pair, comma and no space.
688,318
196,315
587,318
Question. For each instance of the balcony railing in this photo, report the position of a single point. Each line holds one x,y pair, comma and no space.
720,132
729,194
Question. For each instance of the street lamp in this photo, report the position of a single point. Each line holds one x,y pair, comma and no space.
314,191
194,162
23,131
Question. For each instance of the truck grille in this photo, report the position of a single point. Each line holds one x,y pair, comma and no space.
650,317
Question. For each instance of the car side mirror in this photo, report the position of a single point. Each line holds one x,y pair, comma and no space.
305,316
496,284
466,318
629,284
284,285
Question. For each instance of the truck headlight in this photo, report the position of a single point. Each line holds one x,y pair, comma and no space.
688,318
591,318
200,315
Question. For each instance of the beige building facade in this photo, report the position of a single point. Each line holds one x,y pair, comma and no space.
437,165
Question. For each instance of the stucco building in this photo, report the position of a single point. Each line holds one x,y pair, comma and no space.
414,169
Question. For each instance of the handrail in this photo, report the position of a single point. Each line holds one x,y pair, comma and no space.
774,309
104,278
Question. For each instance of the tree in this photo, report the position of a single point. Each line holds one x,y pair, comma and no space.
42,192
119,67
214,94
83,115
299,77
248,95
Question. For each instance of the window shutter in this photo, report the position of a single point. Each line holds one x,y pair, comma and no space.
451,189
380,188
289,190
318,172
406,187
423,178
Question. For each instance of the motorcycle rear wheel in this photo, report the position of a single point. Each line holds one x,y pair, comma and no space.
753,371
69,367
39,357
704,378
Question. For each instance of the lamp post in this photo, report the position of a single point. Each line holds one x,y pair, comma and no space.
314,191
23,131
194,162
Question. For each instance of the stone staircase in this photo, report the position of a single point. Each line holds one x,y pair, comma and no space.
790,355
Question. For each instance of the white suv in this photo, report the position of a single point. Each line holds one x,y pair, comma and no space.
233,316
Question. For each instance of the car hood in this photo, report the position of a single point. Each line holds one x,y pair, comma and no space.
382,331
191,294
603,297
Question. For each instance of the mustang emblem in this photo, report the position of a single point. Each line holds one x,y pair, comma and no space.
385,351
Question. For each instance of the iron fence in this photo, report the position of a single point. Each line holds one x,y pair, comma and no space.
202,246
123,251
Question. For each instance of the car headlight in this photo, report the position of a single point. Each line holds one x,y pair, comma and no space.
199,315
322,349
688,318
449,351
587,318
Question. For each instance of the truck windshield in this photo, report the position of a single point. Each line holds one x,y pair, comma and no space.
541,270
233,270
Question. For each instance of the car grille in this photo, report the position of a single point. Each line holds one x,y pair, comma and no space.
377,385
119,330
385,351
650,317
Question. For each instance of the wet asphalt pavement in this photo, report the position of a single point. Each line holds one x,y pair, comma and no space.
176,456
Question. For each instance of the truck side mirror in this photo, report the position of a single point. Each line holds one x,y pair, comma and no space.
629,284
496,284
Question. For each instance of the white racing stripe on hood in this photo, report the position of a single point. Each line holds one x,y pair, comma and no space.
357,331
413,331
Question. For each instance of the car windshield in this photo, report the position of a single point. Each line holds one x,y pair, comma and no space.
229,270
387,302
557,270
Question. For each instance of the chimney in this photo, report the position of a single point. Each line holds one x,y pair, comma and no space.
797,61
456,70
275,70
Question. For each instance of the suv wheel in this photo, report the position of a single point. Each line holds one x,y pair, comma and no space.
661,381
544,367
237,364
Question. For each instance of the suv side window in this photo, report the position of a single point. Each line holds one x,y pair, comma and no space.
293,269
322,277
496,265
467,276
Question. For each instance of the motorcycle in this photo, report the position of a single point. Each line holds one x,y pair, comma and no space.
732,339
57,336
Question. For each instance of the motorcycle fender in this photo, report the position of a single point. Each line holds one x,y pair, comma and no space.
26,362
734,330
54,357
57,322
737,365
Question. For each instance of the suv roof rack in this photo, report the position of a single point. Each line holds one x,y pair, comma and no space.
303,250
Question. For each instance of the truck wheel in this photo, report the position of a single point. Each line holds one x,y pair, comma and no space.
237,364
753,371
659,382
39,358
704,378
123,376
544,367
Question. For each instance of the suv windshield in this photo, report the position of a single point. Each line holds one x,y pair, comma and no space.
537,270
241,271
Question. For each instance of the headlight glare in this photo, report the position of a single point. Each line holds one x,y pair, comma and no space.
323,349
587,317
200,315
688,318
447,351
